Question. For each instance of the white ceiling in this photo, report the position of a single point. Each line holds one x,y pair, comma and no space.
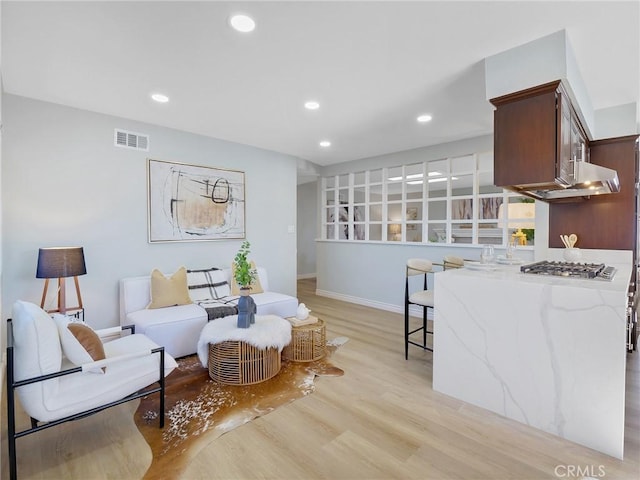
373,66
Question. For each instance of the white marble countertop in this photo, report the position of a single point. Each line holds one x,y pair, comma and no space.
546,351
620,281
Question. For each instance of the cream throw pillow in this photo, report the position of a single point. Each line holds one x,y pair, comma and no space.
256,287
168,292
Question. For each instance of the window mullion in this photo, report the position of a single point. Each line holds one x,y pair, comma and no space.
425,213
385,208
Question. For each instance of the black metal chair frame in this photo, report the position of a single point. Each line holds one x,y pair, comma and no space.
423,328
12,384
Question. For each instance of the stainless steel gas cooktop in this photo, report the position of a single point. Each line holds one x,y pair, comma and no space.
596,271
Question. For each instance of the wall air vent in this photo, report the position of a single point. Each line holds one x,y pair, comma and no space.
125,139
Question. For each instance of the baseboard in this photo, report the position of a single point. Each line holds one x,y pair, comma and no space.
306,275
414,310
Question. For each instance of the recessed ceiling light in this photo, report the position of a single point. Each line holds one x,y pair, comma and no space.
424,118
325,143
242,23
160,98
311,105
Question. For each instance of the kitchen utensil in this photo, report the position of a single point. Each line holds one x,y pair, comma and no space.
573,238
564,241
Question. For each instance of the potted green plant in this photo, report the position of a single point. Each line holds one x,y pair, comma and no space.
244,276
529,232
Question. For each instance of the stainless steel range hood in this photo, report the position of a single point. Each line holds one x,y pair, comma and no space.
588,179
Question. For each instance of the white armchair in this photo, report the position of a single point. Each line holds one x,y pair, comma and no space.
52,390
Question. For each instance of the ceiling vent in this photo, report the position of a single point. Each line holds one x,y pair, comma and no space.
137,141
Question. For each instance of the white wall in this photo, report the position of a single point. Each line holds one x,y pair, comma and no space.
483,143
2,328
538,62
617,121
64,183
307,228
373,274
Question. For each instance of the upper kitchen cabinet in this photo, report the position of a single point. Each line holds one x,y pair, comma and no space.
537,141
606,221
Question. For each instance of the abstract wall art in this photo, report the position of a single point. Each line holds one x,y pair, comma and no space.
192,203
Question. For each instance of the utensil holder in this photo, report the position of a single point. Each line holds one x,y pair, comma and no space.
572,254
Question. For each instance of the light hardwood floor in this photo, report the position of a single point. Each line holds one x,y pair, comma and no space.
381,420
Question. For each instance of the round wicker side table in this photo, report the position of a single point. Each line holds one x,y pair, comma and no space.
308,343
238,363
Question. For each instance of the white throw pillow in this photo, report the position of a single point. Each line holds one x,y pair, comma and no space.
36,352
36,340
207,284
71,346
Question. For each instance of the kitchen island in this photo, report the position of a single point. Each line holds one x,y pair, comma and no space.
549,352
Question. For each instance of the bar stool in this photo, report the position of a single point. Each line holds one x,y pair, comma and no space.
423,298
451,261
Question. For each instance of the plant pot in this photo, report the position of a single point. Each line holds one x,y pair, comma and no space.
246,309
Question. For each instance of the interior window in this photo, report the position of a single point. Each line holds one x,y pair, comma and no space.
450,200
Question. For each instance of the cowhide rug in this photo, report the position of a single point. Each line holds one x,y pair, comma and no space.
199,410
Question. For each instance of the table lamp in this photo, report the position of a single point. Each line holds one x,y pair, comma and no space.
395,230
520,215
61,262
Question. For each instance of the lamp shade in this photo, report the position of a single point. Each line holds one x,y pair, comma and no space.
58,262
521,215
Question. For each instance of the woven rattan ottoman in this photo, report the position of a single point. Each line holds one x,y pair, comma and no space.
238,363
308,343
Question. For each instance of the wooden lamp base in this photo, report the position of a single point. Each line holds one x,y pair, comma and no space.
62,296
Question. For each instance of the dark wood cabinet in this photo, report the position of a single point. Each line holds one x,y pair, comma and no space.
603,221
537,139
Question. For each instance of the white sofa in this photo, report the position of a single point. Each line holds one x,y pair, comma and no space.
178,328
